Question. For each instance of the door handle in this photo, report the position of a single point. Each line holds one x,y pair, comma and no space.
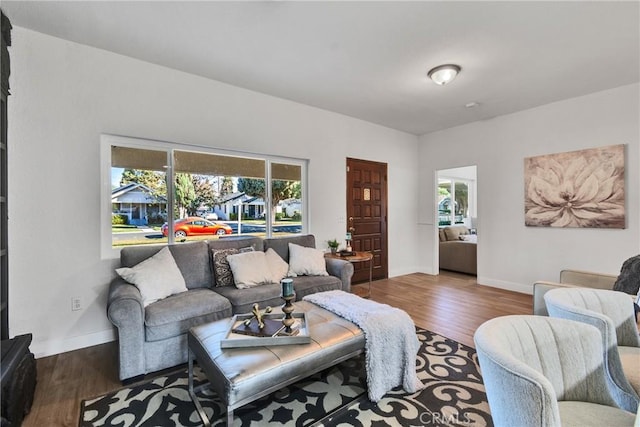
350,219
352,229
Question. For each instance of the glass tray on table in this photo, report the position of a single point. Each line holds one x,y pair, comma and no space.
233,339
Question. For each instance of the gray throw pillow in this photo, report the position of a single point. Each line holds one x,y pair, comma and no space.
629,279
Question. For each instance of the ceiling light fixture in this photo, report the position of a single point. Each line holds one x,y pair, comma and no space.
443,74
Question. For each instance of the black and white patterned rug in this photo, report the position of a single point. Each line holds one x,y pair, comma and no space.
453,395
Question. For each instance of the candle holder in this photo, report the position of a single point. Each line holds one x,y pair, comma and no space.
287,287
288,320
348,242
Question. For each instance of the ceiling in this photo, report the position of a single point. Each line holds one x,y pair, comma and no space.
369,59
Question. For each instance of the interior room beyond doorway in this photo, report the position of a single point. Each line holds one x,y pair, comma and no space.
456,205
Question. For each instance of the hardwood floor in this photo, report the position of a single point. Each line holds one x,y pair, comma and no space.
450,304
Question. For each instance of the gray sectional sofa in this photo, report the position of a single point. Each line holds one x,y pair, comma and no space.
154,337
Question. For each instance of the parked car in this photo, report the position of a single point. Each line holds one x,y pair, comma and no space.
208,215
194,225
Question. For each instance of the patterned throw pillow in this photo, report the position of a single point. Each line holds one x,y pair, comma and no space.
221,270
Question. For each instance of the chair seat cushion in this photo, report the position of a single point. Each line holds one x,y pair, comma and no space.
583,414
630,360
174,315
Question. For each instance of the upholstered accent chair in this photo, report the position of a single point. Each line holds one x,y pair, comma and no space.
612,313
542,371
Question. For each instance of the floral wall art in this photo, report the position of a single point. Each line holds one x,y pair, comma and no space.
576,189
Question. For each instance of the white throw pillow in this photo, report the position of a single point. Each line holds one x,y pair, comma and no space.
156,277
279,267
469,238
249,269
305,261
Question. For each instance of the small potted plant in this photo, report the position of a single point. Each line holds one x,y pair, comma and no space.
333,245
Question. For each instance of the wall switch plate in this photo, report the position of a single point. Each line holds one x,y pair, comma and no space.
76,304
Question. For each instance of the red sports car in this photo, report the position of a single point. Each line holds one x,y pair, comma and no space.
194,225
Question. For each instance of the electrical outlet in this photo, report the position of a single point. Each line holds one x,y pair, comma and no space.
76,304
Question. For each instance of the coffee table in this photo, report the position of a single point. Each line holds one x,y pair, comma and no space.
242,375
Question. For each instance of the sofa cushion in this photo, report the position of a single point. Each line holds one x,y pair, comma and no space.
281,244
174,315
156,277
307,285
242,300
454,232
237,242
304,261
442,235
193,261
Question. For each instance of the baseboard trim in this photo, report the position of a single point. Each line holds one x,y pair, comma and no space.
429,271
502,284
404,272
57,346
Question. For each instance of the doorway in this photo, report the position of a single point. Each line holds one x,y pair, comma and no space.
457,214
367,215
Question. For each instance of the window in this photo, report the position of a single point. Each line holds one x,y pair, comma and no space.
454,202
163,193
286,197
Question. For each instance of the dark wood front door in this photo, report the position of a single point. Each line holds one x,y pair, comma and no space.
367,215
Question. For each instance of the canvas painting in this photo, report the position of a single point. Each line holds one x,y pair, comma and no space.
576,189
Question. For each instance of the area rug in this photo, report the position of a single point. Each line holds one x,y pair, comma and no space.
453,395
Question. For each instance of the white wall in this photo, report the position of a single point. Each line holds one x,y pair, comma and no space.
64,95
511,255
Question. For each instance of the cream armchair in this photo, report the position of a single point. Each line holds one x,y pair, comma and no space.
612,313
569,279
542,371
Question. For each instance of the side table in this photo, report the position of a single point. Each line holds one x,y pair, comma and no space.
357,257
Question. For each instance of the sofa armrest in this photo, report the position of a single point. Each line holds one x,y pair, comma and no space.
341,269
126,312
570,279
542,287
588,279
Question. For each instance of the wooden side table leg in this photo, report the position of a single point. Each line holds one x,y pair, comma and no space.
370,275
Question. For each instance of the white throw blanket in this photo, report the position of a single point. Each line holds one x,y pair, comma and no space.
391,344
